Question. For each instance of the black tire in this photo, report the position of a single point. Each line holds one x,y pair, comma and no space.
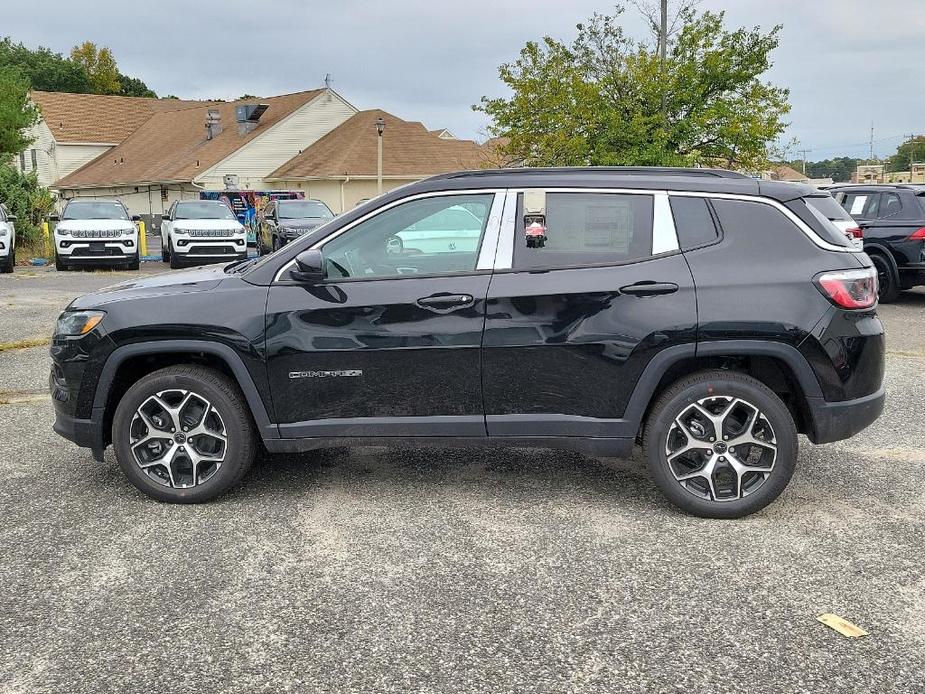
176,262
720,388
224,396
165,252
9,262
135,262
886,279
60,265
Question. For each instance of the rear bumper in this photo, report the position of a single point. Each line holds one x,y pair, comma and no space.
835,421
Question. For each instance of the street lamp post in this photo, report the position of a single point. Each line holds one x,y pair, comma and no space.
380,126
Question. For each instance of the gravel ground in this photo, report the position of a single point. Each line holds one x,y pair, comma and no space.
375,570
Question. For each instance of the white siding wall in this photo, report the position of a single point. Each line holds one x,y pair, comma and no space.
55,160
267,152
143,200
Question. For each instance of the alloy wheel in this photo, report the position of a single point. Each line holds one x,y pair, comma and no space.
178,439
721,448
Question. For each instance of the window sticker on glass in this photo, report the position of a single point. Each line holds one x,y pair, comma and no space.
857,205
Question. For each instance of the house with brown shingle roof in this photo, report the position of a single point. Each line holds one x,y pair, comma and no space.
77,128
341,167
176,153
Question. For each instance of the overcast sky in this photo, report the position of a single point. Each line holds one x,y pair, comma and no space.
430,60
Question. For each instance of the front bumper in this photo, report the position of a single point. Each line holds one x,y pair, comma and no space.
86,433
230,248
835,421
95,251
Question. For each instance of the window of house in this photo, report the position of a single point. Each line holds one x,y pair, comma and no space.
588,229
35,159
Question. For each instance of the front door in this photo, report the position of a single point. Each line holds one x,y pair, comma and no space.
388,344
571,325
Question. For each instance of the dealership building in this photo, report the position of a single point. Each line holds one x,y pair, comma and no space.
151,152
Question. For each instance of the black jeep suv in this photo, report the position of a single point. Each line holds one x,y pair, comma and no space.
892,218
706,315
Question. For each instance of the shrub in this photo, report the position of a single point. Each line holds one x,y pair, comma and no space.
22,196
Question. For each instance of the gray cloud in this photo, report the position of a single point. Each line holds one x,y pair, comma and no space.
431,60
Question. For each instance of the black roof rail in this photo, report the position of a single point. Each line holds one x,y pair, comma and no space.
624,170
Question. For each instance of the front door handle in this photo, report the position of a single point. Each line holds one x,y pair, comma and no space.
649,288
446,302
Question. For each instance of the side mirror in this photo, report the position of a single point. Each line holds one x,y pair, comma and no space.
309,267
136,217
54,217
11,218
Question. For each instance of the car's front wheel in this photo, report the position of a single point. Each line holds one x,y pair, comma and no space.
8,263
183,434
720,444
176,262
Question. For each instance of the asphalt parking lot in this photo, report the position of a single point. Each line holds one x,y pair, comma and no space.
375,570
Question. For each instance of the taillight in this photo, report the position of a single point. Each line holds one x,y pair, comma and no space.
850,288
855,232
918,235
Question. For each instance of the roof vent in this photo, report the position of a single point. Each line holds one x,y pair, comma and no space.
213,123
247,116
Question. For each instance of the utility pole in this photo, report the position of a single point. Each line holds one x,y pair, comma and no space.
911,154
663,54
803,152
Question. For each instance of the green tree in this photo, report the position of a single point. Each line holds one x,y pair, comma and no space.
45,70
838,168
607,99
17,114
100,66
911,149
25,198
132,86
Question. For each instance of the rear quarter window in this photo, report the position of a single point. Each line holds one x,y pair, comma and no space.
693,221
808,210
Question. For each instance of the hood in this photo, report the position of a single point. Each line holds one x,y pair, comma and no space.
94,224
229,224
198,279
303,222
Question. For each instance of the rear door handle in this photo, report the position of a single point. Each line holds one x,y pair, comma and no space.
446,302
649,288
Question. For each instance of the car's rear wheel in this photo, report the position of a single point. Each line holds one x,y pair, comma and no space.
887,281
720,444
183,434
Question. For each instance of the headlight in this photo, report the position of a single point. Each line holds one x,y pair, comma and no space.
71,323
62,232
239,231
180,231
3,231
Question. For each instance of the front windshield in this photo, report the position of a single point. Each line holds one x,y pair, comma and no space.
94,210
301,209
203,210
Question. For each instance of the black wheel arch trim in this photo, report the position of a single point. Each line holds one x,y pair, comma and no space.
266,428
880,249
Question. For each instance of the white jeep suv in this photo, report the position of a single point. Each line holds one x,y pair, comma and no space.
196,232
7,241
93,231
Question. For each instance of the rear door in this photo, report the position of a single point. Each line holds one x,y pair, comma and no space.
897,215
570,326
388,344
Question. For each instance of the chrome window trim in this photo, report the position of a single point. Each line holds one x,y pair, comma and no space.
788,213
489,241
497,192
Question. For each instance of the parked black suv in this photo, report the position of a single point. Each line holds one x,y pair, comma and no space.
708,316
283,221
892,218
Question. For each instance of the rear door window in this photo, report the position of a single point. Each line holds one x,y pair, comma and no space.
861,205
890,205
693,220
588,229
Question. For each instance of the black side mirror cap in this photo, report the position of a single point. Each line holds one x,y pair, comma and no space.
136,217
309,267
54,217
11,218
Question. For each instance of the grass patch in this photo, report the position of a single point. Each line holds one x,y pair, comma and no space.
24,344
27,250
